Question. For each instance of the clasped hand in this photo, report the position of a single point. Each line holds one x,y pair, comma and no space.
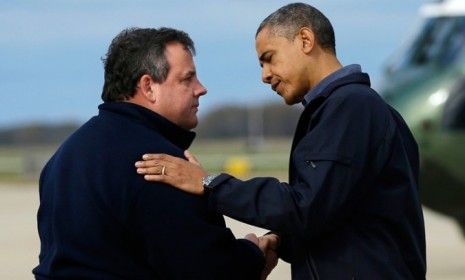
268,244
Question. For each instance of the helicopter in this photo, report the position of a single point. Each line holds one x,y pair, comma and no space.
425,82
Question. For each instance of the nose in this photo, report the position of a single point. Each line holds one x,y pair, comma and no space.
266,74
200,90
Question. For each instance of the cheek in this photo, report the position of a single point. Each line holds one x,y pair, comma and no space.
185,105
295,76
283,72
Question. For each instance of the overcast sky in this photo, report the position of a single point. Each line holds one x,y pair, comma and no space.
50,51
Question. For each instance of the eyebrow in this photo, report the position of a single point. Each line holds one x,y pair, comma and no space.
264,57
190,73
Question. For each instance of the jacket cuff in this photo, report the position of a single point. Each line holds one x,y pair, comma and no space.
213,188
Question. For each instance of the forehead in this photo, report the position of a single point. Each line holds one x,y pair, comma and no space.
268,41
176,52
179,58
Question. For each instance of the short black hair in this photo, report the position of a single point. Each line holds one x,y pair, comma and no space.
135,52
289,19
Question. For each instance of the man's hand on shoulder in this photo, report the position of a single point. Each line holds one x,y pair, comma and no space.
183,174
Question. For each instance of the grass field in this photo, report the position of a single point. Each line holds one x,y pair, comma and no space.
271,158
23,163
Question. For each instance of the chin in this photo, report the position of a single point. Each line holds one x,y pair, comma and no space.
291,100
191,125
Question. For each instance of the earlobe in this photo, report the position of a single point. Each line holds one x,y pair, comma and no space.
154,91
151,97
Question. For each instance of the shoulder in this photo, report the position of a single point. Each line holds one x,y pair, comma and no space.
358,95
360,102
355,111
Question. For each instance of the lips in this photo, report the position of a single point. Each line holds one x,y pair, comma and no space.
275,85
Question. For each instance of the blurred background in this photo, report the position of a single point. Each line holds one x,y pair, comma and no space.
51,77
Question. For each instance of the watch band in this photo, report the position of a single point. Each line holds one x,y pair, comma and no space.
206,181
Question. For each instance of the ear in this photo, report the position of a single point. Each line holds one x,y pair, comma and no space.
148,87
307,39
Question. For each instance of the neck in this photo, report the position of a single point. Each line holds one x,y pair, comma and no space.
325,64
140,100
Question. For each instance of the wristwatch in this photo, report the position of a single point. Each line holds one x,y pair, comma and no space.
207,180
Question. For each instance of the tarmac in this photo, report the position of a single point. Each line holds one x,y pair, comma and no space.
19,242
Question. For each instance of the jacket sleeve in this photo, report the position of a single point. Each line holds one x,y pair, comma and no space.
183,241
331,174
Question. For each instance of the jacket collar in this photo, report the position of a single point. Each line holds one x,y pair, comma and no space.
336,75
175,134
354,78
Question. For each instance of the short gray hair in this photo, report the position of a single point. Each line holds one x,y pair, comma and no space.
289,19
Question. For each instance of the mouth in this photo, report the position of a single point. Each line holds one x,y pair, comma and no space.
275,85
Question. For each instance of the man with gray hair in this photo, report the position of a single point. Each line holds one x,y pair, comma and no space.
97,218
350,209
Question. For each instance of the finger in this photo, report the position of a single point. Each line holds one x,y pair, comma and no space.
191,158
271,260
268,242
156,170
273,242
252,237
152,156
157,164
155,178
148,163
272,256
161,157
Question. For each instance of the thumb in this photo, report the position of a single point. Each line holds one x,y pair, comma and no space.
252,237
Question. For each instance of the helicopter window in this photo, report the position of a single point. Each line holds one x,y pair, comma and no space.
440,41
434,45
454,42
454,109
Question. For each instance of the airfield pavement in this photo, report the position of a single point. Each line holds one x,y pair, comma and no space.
19,242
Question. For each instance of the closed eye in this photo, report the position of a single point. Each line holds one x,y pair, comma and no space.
265,58
189,76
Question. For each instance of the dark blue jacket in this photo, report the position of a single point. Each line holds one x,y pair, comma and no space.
351,207
99,219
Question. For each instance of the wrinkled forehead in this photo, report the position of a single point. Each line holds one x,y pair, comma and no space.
266,32
264,37
266,40
285,31
179,58
177,47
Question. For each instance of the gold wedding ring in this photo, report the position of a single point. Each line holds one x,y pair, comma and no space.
163,170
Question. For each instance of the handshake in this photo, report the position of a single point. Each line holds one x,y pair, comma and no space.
268,244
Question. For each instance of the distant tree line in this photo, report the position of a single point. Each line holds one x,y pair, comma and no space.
269,120
36,134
